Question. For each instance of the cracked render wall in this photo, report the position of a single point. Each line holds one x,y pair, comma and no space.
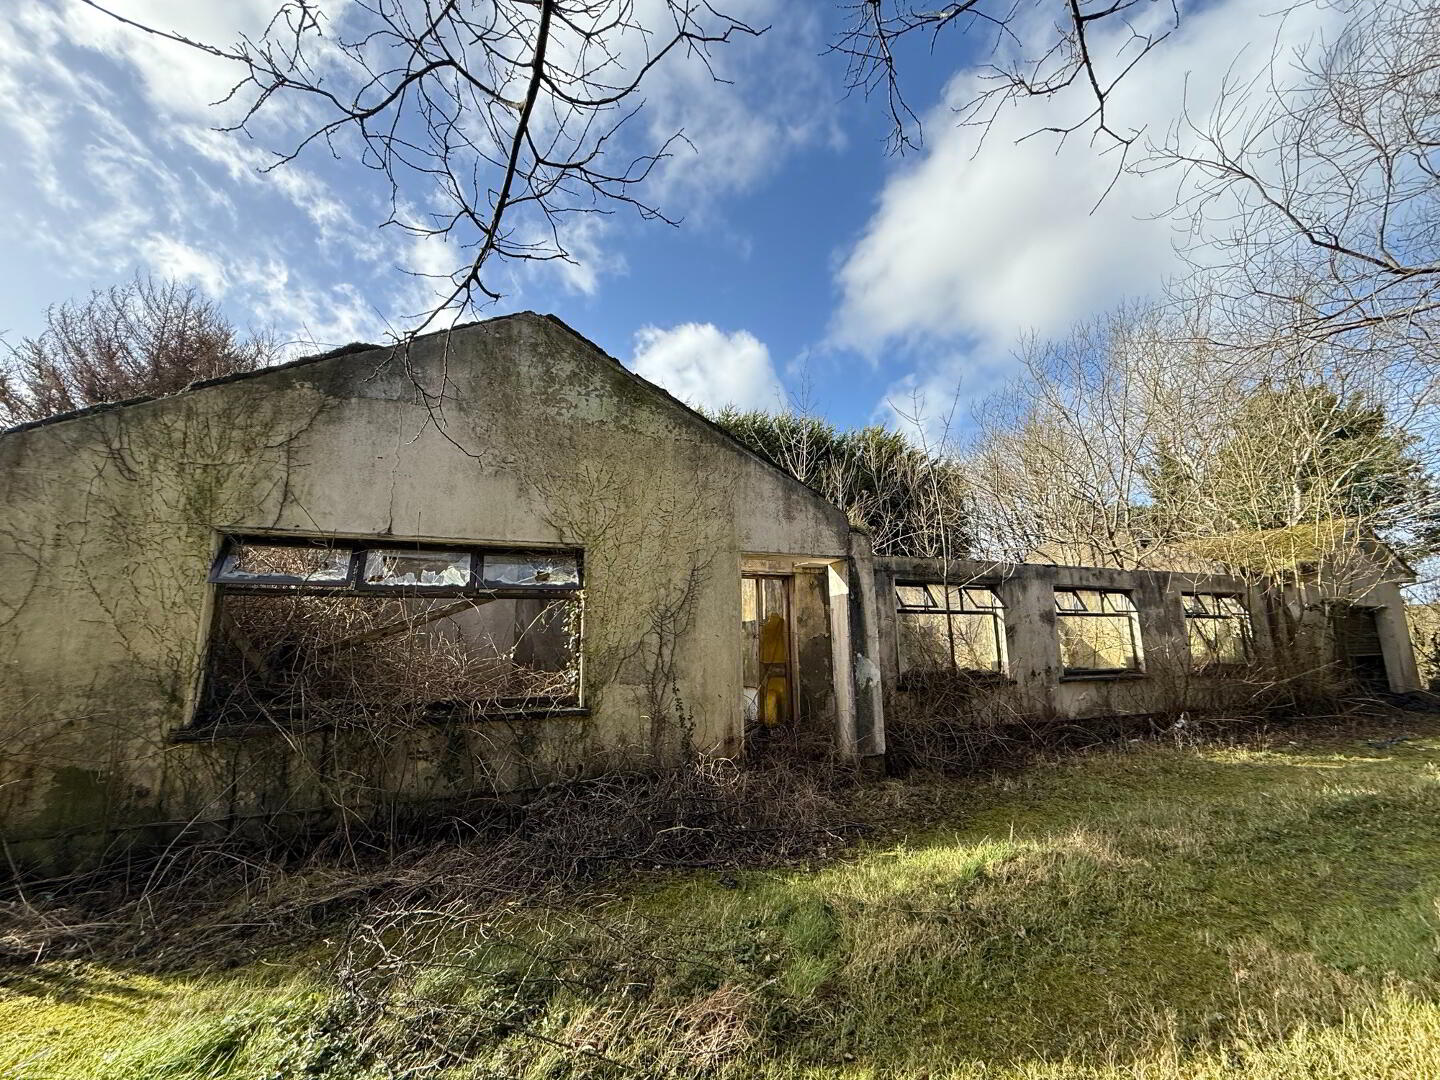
109,521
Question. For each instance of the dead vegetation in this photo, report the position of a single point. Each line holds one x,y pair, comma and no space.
225,902
961,723
451,937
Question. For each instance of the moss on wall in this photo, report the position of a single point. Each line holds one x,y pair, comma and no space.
511,431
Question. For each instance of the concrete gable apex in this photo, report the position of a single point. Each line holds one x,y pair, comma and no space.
679,407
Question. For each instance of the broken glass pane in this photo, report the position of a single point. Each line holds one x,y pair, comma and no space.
284,564
433,568
531,568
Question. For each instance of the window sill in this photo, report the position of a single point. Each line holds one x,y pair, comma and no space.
1102,676
202,732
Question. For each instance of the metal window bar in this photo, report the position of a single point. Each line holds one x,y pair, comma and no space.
554,573
935,598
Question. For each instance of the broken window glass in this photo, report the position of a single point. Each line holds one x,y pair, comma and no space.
512,570
391,567
1218,630
254,563
1099,631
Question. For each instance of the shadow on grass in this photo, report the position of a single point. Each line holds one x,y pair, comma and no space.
75,984
1109,912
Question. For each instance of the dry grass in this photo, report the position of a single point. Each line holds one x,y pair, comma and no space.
1154,912
230,902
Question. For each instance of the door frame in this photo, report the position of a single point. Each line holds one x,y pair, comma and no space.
792,663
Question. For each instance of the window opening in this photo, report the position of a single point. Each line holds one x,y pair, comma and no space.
950,628
1099,631
1218,630
331,633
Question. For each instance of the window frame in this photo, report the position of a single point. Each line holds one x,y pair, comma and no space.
202,725
943,606
359,549
1132,618
1244,617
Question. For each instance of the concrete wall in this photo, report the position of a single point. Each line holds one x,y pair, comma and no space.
109,521
1289,624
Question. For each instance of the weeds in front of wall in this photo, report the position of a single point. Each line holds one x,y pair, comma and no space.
958,723
227,901
1150,914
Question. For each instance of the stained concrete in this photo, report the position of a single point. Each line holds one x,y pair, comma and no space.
514,431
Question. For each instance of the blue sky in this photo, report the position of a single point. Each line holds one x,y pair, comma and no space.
809,263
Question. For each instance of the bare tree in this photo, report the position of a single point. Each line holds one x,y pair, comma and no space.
143,338
508,115
1133,440
1037,49
1317,193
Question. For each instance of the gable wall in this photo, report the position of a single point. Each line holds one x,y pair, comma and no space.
109,522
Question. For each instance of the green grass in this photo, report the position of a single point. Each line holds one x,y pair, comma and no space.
1158,914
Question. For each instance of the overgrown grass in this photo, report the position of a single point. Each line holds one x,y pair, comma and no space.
1153,913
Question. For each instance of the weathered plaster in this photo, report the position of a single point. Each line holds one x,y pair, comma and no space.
1289,622
111,518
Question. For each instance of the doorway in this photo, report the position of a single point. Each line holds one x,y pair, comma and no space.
766,643
1358,647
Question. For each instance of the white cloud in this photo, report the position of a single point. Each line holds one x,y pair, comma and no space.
757,101
314,316
115,173
171,258
966,251
743,127
178,79
704,366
